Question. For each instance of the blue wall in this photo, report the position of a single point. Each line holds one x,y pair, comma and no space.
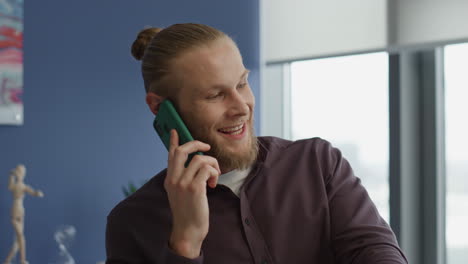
87,129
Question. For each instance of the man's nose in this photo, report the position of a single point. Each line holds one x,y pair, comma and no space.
238,105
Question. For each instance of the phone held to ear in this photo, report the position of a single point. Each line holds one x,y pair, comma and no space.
168,119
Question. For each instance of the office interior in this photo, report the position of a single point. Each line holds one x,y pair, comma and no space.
383,80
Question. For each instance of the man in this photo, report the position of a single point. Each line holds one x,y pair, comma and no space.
248,200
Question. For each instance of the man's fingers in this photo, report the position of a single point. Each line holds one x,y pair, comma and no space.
173,171
178,156
174,142
197,163
182,152
185,149
193,146
207,175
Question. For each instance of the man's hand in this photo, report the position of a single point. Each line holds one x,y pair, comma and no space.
186,190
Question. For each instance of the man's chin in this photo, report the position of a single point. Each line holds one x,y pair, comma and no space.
235,158
231,153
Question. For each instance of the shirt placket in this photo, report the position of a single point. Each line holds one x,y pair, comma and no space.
255,240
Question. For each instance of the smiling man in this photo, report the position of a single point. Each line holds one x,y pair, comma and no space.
216,102
249,199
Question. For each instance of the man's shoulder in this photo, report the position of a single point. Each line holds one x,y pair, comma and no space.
311,150
279,144
151,195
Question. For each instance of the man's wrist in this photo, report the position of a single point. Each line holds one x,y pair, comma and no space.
186,249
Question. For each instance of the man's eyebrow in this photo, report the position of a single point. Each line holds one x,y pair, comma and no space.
246,72
217,87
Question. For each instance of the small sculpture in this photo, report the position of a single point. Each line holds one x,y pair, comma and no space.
18,188
64,237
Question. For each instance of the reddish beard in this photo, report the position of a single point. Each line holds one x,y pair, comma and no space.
228,160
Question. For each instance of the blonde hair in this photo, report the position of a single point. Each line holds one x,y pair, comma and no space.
157,47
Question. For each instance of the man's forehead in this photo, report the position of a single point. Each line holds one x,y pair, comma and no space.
210,65
209,57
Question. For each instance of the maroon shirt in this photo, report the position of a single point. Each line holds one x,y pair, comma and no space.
301,203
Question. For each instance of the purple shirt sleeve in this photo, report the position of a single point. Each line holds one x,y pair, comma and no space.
170,257
122,248
359,234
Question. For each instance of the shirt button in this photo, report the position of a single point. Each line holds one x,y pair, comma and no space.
247,222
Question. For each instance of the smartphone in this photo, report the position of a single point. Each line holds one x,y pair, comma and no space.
168,119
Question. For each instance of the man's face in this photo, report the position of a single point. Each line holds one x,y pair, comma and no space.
216,102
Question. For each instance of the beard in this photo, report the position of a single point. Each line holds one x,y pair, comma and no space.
229,160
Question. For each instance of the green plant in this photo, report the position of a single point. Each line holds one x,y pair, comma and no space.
131,188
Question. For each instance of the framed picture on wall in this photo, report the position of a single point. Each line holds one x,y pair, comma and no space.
11,62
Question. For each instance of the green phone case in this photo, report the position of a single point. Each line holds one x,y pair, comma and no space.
168,119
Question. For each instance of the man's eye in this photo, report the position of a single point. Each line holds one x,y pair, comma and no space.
214,96
241,85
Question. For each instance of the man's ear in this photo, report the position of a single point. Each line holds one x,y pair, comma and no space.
154,101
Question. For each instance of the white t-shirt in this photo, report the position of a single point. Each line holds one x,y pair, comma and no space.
234,179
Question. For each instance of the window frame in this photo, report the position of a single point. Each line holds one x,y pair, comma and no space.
416,144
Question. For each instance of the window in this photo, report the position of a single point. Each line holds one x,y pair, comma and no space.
345,101
456,110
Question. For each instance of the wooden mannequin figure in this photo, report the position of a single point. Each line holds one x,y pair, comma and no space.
19,188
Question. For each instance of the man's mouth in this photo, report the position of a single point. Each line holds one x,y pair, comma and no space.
233,130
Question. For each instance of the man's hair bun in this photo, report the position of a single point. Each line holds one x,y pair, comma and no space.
142,41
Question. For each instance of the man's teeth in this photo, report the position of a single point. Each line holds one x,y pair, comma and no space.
233,130
236,133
